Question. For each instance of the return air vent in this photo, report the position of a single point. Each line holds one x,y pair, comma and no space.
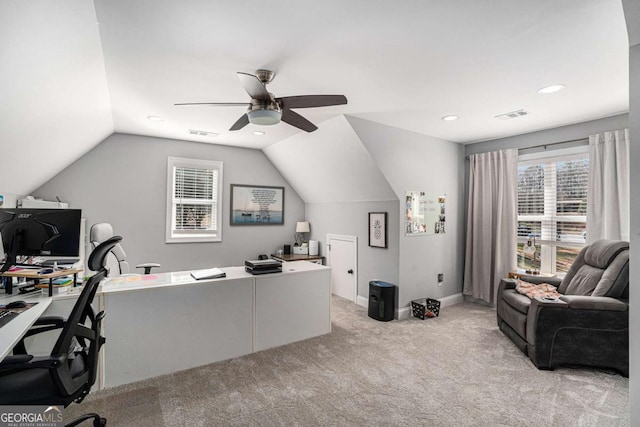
202,133
512,114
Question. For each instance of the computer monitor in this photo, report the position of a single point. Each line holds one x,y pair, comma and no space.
39,232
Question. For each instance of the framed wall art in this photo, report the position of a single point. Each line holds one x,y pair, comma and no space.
424,213
378,229
257,205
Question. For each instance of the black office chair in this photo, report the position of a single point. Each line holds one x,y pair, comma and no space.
67,374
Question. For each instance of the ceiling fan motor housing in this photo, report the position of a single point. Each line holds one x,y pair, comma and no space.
264,114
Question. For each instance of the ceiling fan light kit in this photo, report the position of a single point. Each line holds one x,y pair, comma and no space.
266,109
266,115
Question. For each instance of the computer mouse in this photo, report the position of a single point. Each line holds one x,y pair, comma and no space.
16,304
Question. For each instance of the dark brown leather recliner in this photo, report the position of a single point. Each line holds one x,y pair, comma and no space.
588,325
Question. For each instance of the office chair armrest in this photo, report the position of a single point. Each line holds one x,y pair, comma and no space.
50,320
11,361
43,324
147,266
27,361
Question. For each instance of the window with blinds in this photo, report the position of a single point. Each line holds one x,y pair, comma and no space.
193,200
552,210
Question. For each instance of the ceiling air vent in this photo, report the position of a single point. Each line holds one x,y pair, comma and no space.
202,133
512,114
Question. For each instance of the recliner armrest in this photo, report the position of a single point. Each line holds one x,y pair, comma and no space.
506,284
553,302
580,302
536,280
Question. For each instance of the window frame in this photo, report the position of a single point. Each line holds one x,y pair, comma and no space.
547,241
174,236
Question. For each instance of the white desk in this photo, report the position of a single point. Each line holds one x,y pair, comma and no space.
13,331
166,322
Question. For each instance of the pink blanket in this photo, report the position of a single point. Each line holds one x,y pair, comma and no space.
532,290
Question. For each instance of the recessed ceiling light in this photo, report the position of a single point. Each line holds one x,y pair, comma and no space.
551,89
258,132
450,118
155,118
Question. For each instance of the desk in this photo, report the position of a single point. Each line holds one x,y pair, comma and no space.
29,273
13,331
299,257
166,322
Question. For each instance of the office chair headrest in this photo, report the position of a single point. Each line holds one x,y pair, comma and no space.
100,232
96,259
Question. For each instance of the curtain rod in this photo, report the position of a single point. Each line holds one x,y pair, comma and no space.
554,143
545,145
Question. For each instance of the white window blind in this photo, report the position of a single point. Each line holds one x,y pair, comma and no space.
193,208
552,208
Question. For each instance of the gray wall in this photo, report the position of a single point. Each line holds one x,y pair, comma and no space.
634,324
550,136
330,165
632,16
123,181
416,162
352,219
340,182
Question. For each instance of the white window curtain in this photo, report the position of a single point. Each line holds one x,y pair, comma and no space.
608,197
491,222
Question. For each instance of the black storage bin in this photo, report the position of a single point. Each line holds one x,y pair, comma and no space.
382,300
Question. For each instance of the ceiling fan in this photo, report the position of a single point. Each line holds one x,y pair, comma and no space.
266,109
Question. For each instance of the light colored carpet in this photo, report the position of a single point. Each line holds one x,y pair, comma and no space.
454,370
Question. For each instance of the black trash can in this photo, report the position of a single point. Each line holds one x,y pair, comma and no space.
382,300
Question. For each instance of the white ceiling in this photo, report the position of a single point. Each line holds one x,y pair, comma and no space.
404,64
72,74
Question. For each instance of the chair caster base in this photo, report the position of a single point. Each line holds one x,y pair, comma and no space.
97,420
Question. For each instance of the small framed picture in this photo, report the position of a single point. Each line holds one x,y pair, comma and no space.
378,229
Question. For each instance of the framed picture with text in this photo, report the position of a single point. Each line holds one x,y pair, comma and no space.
257,205
378,229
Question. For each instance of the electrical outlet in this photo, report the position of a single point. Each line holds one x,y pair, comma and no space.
440,279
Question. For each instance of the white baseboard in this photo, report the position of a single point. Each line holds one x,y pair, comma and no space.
405,312
362,301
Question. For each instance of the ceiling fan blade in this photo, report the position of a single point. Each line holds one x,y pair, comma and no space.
241,122
216,104
295,119
307,101
254,87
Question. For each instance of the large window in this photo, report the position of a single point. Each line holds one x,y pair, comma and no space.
194,195
552,210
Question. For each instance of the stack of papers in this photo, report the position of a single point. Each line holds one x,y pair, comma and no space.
209,273
58,282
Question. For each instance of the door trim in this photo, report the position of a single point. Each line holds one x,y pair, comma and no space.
353,239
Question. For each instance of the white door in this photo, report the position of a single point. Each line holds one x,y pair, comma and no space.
343,260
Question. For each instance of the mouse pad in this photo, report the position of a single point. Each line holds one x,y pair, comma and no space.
18,310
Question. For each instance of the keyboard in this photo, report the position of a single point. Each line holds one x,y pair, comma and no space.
6,316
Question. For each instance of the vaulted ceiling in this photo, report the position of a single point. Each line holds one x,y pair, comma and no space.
74,71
